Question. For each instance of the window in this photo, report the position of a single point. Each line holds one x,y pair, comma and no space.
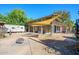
21,27
57,28
13,27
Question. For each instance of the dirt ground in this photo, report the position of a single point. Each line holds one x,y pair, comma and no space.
42,45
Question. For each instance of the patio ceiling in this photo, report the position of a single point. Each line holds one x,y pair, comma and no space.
44,22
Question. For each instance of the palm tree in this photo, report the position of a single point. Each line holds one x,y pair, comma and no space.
64,16
65,19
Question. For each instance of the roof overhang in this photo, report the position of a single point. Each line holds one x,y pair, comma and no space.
44,22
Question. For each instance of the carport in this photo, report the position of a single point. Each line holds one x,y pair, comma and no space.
46,25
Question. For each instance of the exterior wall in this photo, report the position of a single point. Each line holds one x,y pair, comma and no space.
56,27
62,28
14,28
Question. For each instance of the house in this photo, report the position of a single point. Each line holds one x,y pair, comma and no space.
47,24
14,28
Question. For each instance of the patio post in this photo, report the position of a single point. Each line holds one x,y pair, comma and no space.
28,28
41,29
52,29
33,29
61,29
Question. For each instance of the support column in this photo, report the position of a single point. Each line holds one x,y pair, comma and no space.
61,29
28,28
52,29
33,29
41,29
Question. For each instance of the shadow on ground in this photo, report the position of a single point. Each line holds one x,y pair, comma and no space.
58,45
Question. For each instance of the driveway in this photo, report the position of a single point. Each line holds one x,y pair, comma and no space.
8,46
31,46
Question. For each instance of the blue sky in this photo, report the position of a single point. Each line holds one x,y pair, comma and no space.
39,10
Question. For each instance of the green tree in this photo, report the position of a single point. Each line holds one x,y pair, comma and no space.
2,17
17,16
70,25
